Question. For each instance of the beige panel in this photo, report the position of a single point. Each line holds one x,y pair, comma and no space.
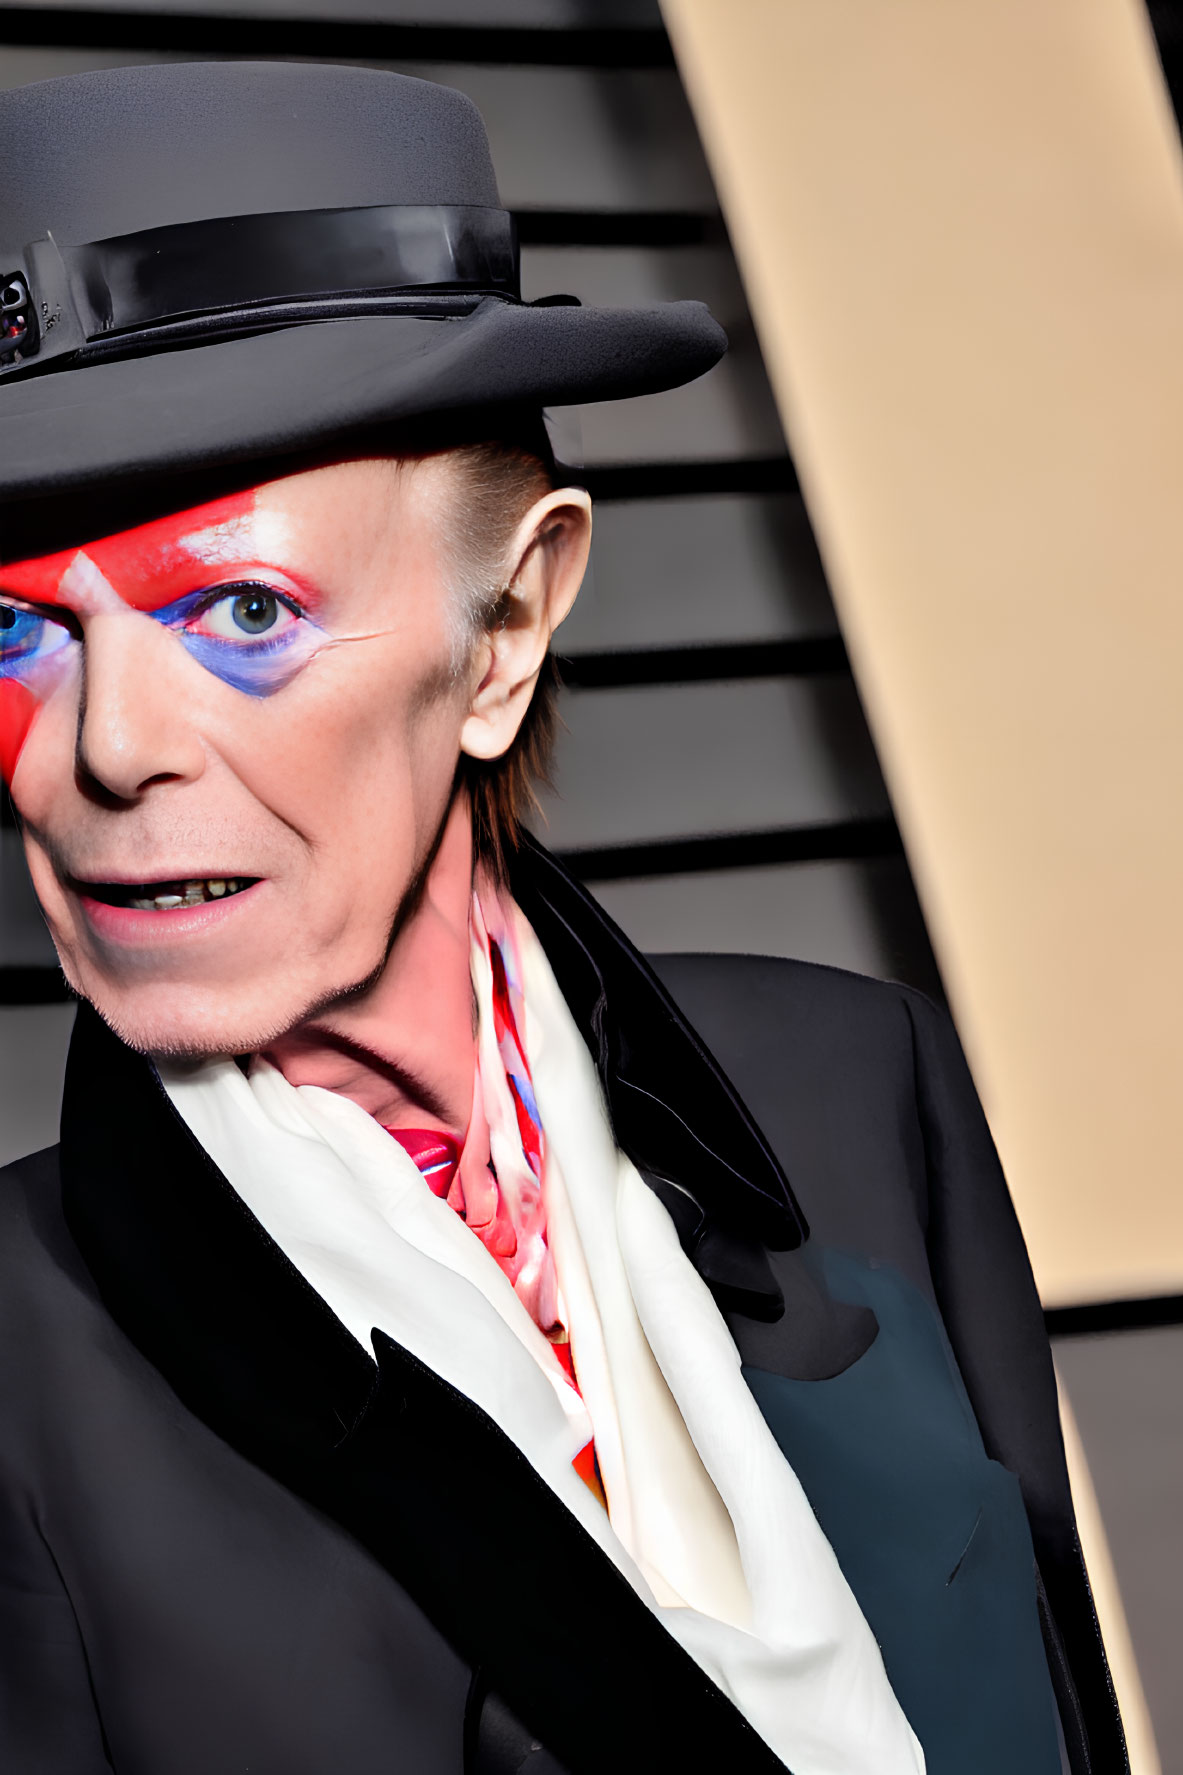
961,232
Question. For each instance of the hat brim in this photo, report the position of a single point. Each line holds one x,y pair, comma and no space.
304,387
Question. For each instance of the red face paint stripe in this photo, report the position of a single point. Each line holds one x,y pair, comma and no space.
37,582
144,565
156,563
18,711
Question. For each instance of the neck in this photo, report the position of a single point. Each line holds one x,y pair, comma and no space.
406,1050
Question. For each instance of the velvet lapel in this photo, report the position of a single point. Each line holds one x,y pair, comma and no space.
389,1450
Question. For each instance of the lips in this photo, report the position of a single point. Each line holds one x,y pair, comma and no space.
162,915
166,896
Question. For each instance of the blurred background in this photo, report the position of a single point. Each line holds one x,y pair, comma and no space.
718,785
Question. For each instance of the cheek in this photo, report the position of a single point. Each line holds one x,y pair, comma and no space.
38,731
357,763
19,709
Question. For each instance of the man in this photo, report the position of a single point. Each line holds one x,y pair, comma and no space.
370,1388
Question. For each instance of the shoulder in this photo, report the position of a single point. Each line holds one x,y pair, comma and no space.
818,1017
841,1073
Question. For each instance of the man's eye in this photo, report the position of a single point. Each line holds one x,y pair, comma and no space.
245,613
25,637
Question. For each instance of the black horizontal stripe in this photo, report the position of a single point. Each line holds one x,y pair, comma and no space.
618,228
1114,1315
33,986
331,39
805,658
669,480
875,837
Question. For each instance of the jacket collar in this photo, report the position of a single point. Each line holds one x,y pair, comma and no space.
674,1110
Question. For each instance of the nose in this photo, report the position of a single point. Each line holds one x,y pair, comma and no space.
135,724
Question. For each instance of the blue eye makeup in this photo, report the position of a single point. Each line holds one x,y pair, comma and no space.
27,639
247,634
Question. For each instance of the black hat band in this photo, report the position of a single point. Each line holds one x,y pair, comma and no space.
239,274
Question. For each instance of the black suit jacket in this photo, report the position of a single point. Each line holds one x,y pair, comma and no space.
229,1541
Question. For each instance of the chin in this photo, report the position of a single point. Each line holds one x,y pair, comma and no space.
190,1025
189,1020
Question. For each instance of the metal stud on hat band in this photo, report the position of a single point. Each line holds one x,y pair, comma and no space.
19,333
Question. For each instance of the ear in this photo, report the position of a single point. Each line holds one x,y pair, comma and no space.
548,559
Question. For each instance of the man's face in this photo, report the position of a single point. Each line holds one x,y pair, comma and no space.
231,736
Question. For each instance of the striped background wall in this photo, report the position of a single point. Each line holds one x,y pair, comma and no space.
717,784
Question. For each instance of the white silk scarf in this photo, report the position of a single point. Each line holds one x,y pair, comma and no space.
706,1518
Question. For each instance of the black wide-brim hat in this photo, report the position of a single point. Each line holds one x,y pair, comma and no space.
208,264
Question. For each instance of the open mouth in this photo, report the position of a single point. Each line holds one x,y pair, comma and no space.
167,896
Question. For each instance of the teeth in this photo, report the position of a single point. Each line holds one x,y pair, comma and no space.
194,893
